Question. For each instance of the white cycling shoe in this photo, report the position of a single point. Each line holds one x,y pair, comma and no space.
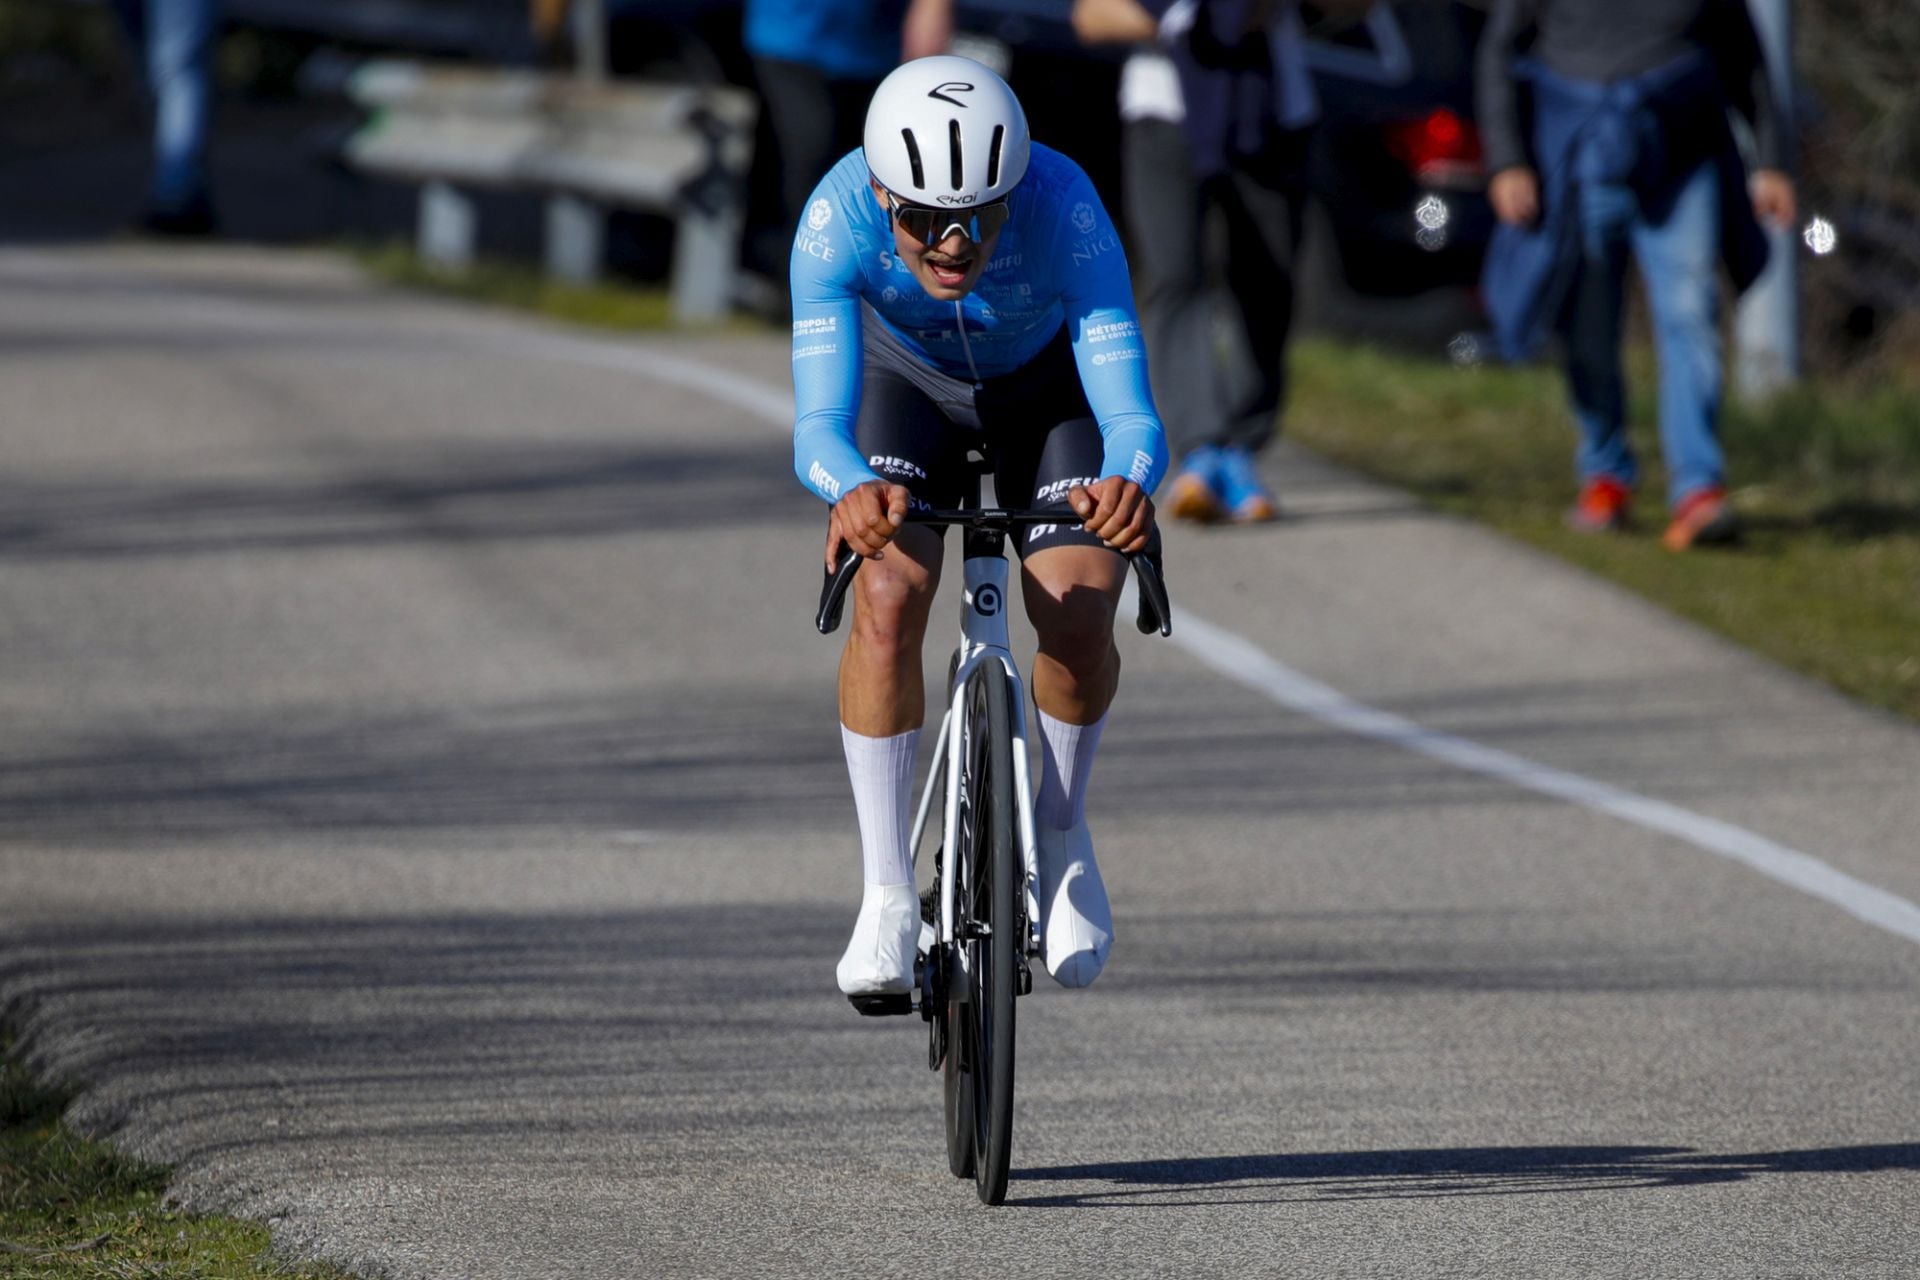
879,958
1076,924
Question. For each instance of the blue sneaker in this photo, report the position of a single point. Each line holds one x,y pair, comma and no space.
1247,499
1195,494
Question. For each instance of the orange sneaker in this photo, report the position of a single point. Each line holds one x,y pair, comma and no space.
1702,518
1601,507
1241,489
1194,495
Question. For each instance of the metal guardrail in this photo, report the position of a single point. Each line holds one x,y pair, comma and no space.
586,145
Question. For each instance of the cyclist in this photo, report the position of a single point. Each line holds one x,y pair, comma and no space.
957,285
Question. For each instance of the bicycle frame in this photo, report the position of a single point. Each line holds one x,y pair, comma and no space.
983,626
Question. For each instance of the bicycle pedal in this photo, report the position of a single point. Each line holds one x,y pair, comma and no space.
882,1006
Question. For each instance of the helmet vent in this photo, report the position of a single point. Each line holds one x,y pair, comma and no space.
993,155
959,168
913,158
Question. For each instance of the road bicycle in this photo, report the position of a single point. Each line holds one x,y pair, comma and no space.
984,904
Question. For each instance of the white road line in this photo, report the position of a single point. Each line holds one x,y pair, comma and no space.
1245,663
1238,658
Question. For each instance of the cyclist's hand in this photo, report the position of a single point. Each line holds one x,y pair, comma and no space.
1115,510
866,519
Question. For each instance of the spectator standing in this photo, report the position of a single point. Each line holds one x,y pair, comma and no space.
1216,107
174,40
818,63
1630,154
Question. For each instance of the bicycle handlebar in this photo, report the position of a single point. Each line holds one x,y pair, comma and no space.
1156,612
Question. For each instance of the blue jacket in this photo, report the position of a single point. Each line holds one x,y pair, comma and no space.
856,39
1650,132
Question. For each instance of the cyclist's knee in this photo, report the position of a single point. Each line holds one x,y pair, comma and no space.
891,602
1075,626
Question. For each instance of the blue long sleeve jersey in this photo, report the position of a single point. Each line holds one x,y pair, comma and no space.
1058,261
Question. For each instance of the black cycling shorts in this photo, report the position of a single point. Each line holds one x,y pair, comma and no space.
1033,425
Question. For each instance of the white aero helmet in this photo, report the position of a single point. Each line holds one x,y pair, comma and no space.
946,131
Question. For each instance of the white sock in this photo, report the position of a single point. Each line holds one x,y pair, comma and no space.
882,773
1066,762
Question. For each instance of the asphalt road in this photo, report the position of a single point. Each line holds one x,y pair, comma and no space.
422,821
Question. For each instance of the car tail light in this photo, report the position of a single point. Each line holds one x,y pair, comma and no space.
1439,147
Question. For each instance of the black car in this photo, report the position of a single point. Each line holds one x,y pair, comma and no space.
1401,221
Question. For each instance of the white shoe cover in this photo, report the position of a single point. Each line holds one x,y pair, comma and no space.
879,958
1076,922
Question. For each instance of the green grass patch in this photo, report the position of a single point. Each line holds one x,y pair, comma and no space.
73,1209
608,305
1827,478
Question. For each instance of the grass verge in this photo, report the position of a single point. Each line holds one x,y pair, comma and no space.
73,1209
1827,478
524,288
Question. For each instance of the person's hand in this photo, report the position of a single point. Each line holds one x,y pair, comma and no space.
1115,510
866,519
1514,194
927,29
1773,198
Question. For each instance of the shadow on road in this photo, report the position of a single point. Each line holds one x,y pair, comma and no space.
467,494
1461,1171
233,1033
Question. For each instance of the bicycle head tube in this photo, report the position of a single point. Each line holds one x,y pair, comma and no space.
983,602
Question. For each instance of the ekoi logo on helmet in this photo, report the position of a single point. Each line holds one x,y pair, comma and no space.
941,91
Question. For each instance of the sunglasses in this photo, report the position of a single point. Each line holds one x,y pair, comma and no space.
930,226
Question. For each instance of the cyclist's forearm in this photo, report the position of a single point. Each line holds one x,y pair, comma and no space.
1136,448
824,456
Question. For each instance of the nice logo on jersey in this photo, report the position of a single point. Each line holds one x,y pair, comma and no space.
819,215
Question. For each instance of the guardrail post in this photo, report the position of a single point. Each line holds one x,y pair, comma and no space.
447,224
705,245
576,236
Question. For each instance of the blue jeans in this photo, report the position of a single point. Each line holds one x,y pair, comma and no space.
1677,258
175,40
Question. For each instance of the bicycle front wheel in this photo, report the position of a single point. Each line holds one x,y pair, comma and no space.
987,934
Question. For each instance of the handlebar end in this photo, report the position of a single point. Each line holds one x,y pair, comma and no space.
1156,611
833,591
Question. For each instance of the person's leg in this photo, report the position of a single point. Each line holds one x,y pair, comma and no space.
849,98
180,37
882,698
1165,222
1678,260
798,100
1072,594
1263,240
1262,204
1071,586
1595,384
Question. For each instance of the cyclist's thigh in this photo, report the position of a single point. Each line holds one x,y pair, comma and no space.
909,441
1045,441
